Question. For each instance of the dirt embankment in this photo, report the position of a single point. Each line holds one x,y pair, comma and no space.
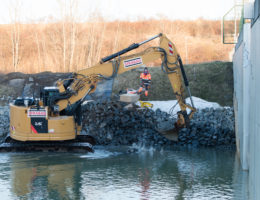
13,85
210,81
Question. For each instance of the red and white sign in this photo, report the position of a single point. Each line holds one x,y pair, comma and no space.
133,62
34,112
170,48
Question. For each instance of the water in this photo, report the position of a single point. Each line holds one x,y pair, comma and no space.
114,174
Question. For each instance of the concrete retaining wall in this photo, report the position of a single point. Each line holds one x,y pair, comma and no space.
254,117
246,62
238,94
241,71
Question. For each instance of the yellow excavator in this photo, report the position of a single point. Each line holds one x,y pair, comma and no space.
56,115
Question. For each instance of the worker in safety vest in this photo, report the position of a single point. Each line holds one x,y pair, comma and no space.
145,79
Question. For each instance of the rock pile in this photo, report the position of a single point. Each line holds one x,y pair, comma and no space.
110,122
113,123
210,127
4,121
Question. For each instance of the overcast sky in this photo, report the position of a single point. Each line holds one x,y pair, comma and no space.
33,10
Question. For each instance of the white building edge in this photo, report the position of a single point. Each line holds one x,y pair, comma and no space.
246,67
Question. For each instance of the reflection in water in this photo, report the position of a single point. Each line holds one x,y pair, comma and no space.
37,176
178,174
145,183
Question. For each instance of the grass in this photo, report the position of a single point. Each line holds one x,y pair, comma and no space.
210,81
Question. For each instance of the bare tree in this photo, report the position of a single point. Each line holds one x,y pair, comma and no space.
38,50
91,40
63,8
69,31
73,30
100,44
117,37
44,52
14,10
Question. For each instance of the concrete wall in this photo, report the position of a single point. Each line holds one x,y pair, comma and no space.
238,94
247,100
241,71
254,117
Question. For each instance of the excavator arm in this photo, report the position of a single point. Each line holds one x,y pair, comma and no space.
85,81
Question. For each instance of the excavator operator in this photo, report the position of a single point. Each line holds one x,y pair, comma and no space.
145,80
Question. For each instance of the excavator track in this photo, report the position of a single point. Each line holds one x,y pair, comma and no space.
83,143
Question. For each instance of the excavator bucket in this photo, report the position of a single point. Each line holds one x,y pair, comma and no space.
171,134
169,129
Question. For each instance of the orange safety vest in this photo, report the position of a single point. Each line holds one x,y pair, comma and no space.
145,77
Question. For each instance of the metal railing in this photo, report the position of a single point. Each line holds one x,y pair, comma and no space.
232,24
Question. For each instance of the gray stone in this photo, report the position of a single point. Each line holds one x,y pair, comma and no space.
28,90
16,82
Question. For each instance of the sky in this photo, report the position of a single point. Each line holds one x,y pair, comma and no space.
43,10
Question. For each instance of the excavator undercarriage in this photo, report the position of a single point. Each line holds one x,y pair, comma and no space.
82,143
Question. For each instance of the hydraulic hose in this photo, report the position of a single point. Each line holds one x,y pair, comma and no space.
186,82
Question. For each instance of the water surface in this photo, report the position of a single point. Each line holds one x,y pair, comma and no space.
114,174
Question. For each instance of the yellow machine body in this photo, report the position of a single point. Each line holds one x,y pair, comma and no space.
21,128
